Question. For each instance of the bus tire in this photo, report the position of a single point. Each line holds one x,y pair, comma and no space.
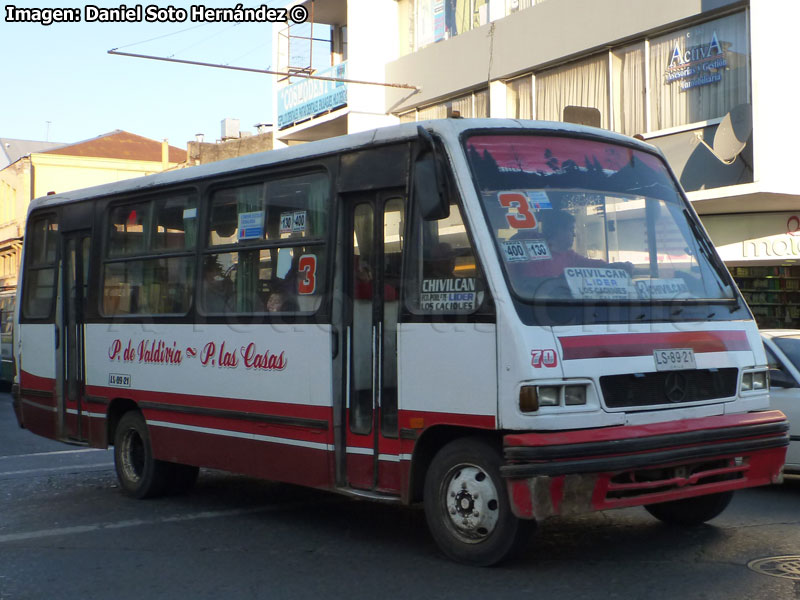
467,507
690,511
139,474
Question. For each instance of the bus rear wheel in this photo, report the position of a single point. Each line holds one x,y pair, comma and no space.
690,511
467,506
139,474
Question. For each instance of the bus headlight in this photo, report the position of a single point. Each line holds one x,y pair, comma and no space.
533,397
574,395
754,381
760,380
747,382
549,395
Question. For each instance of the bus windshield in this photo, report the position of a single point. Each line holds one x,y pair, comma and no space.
576,220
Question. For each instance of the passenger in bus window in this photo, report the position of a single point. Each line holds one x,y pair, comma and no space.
217,288
558,230
441,262
362,286
280,300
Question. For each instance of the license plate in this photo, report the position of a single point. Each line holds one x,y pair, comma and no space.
674,359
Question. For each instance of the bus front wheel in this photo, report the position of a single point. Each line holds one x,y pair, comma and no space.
691,511
467,506
139,474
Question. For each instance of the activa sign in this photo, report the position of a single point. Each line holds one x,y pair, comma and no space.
696,54
698,65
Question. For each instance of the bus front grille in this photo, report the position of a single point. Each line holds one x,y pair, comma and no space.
668,387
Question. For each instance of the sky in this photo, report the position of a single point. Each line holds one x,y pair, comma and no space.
59,84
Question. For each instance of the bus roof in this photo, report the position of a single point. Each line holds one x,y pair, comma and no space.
403,131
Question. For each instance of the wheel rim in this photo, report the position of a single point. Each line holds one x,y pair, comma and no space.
470,503
132,455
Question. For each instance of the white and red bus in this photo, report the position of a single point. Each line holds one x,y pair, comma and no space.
500,320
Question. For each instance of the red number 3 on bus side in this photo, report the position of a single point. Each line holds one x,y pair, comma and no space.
307,269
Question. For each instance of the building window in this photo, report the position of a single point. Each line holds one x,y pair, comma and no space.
579,87
436,111
408,117
699,73
480,104
519,98
475,105
513,6
438,20
628,89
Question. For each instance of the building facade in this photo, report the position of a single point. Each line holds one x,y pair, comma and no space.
704,80
59,168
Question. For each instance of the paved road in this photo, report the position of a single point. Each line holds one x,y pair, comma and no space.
66,531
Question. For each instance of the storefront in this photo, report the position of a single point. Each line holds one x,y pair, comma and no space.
762,252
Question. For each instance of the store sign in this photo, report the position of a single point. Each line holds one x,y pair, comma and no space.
697,65
755,237
311,97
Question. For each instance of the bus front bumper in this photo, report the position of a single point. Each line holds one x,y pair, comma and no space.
579,471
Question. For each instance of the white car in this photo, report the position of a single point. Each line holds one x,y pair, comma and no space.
783,356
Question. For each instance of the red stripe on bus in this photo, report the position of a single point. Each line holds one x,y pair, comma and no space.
643,344
418,419
34,382
176,400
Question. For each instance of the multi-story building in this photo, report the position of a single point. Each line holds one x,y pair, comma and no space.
704,80
37,170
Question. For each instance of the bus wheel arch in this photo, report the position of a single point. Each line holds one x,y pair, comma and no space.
116,409
430,441
467,507
139,473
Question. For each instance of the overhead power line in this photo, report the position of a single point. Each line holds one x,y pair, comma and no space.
406,86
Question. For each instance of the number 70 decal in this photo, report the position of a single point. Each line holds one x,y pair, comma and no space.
544,358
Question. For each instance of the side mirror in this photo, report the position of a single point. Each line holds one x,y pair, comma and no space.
430,189
778,378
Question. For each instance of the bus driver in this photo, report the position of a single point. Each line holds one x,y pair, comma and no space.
558,230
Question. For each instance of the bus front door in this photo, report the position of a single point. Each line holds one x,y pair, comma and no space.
75,261
372,446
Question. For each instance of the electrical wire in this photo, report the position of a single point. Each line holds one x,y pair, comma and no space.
204,40
162,36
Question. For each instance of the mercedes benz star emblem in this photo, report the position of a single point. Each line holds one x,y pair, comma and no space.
675,387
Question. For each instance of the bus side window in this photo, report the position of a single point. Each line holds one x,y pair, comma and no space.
265,251
137,279
443,275
40,276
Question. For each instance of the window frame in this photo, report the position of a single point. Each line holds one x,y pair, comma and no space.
485,312
205,249
148,253
552,313
612,54
50,216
